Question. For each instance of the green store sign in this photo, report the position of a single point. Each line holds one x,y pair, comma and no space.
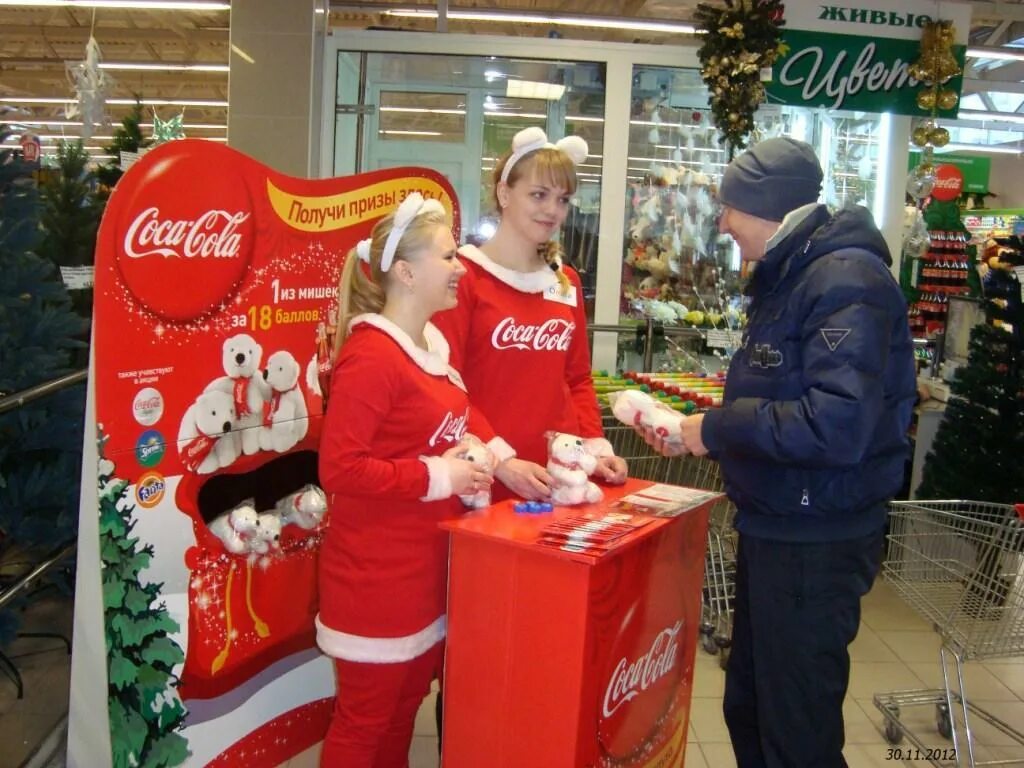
852,73
857,57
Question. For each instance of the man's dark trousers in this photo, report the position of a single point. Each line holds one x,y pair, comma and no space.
797,609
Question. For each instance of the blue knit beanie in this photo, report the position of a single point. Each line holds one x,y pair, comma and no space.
772,178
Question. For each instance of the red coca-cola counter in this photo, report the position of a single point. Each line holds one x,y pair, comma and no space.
566,648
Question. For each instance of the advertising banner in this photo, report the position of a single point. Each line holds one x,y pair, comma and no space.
216,288
855,56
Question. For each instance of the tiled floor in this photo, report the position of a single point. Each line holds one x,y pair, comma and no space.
895,650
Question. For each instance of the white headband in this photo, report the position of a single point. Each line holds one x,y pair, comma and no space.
531,139
414,205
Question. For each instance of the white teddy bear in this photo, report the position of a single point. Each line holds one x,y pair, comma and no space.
570,466
636,408
268,534
206,440
237,528
287,421
305,508
241,357
478,453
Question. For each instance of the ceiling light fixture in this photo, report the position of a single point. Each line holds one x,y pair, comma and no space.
1004,117
1005,53
161,66
534,89
120,102
78,123
123,5
591,22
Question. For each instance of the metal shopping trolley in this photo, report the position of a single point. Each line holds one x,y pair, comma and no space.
960,564
719,588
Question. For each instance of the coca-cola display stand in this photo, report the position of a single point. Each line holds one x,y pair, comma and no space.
558,658
216,285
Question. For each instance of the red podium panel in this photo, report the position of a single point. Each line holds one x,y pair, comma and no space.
560,659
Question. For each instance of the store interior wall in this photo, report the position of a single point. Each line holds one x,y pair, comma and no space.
1007,182
274,82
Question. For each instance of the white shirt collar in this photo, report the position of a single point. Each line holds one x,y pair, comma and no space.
433,360
537,281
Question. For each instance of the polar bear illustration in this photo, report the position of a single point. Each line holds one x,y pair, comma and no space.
206,437
287,421
241,360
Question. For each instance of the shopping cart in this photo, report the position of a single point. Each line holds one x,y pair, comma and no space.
960,564
719,587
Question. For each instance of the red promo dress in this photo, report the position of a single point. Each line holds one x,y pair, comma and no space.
394,409
521,346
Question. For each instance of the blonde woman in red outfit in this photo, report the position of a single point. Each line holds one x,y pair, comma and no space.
518,334
389,461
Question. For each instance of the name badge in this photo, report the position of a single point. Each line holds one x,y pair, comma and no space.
554,293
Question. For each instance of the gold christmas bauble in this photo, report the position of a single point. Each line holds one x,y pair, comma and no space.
947,99
939,137
920,136
919,72
926,99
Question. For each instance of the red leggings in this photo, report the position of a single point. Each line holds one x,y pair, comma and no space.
375,709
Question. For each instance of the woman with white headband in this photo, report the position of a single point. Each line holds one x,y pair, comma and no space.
389,461
518,334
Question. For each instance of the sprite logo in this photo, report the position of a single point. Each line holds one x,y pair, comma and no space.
149,448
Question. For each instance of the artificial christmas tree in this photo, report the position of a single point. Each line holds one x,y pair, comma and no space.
70,218
145,709
127,138
40,442
977,450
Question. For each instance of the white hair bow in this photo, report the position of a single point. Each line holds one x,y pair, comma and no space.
414,205
363,250
531,139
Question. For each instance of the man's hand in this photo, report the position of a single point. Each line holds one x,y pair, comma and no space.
524,478
658,443
690,426
611,469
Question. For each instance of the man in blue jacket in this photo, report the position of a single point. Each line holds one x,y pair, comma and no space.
812,442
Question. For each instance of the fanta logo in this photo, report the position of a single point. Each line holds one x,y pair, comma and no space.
213,234
451,429
630,678
149,490
550,336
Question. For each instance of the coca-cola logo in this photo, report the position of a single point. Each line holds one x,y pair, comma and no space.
949,183
640,693
552,335
213,234
184,235
632,677
451,429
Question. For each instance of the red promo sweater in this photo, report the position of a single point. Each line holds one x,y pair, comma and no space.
383,563
521,347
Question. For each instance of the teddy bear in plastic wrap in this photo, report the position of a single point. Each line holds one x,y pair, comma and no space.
475,451
570,467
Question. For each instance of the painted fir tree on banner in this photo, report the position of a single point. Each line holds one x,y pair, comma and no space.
146,711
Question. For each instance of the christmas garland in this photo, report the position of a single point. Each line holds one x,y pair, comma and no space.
740,40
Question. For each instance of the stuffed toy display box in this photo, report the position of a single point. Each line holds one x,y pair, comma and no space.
216,291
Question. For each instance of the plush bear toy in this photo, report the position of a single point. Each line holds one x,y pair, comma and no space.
268,534
305,508
242,380
286,421
480,454
570,467
636,408
237,528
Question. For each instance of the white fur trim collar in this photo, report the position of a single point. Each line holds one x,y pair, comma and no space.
527,282
433,360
